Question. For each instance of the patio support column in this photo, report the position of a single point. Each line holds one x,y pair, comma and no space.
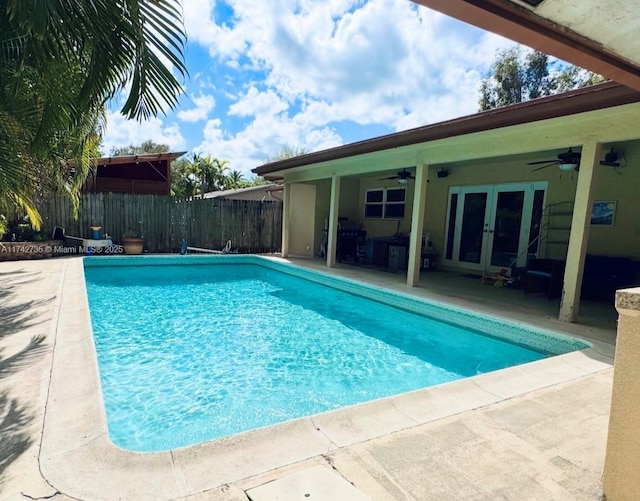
286,204
417,225
622,461
334,208
579,235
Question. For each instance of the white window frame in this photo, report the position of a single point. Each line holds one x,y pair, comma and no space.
384,203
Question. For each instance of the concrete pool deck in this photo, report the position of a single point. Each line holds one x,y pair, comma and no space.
536,431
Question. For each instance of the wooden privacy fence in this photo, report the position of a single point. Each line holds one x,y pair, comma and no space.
163,221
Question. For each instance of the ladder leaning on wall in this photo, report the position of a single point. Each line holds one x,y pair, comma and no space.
555,228
551,242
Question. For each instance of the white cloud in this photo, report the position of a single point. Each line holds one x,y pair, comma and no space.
122,132
292,73
264,138
256,103
204,104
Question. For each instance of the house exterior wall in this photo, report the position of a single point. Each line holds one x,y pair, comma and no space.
350,198
323,198
621,184
302,217
384,227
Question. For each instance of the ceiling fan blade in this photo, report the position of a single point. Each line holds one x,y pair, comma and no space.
544,166
609,164
390,177
542,162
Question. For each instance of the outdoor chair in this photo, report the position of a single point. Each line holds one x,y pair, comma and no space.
544,276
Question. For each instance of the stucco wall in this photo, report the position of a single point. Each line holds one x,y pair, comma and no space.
384,227
621,184
350,199
622,463
302,220
323,201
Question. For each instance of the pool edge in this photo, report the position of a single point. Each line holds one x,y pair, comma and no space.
79,460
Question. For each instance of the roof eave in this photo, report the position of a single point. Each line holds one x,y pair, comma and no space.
582,100
523,25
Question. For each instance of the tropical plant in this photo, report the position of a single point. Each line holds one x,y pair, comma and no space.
210,173
148,146
183,181
199,175
235,179
60,62
288,152
518,76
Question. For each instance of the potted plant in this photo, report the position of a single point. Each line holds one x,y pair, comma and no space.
132,243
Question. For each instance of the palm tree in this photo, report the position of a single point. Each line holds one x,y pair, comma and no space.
236,179
60,62
210,172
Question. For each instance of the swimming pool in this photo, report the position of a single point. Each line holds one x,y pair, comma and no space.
189,351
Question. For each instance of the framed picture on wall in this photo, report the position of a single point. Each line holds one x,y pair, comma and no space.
603,213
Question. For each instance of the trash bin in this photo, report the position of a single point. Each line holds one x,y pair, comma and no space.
397,258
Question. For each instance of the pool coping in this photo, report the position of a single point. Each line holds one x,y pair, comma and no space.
79,460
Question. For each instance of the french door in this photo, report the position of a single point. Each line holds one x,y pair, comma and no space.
492,227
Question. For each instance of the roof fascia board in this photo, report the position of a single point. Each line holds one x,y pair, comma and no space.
522,25
377,161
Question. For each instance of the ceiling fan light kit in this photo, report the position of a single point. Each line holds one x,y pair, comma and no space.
402,176
570,160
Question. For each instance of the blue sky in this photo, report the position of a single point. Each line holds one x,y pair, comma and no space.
313,74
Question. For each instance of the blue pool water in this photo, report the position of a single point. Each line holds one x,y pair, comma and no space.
188,353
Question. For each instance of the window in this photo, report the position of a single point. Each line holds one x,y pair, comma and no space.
384,203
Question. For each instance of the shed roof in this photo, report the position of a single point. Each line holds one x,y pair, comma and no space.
145,157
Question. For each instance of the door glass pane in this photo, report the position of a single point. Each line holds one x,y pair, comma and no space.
536,221
453,211
471,233
506,232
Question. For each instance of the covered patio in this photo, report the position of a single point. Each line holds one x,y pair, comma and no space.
447,181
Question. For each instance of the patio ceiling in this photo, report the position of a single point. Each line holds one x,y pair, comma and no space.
599,35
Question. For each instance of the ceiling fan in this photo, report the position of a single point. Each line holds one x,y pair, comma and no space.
402,176
570,160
